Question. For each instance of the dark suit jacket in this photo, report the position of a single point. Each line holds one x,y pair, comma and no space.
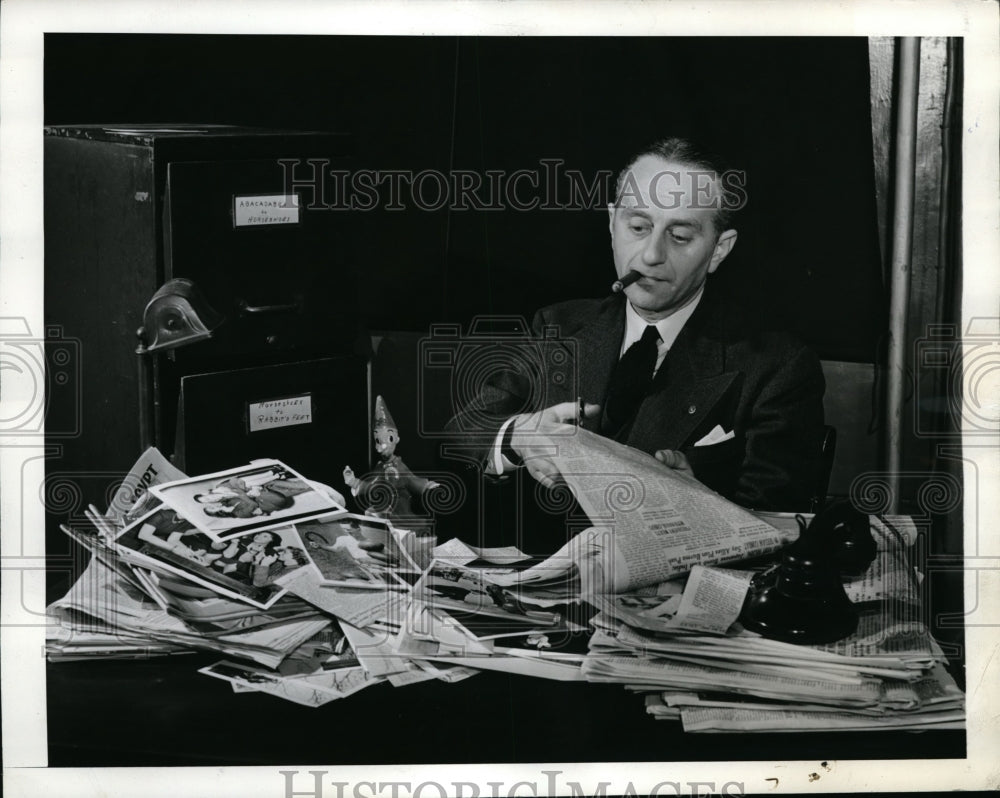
722,370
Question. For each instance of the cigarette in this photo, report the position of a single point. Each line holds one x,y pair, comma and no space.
620,285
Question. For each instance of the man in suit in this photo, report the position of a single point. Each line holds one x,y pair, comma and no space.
669,366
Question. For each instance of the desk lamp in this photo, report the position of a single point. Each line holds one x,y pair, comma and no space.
177,315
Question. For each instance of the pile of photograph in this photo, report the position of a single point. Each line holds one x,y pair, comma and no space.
888,674
301,598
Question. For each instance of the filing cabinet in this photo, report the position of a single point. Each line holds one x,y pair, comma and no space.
129,207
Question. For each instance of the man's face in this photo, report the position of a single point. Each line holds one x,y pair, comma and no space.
663,228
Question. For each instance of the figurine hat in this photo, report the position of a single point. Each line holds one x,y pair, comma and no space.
382,416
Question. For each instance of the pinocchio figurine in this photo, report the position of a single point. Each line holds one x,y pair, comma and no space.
389,489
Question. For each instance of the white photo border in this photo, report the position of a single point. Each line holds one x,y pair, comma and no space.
22,27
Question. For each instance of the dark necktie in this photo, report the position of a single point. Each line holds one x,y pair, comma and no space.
630,382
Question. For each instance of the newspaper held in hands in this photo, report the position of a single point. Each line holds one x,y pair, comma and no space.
651,522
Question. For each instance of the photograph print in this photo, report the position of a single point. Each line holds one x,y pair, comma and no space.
311,690
327,650
483,608
259,496
810,118
247,567
357,551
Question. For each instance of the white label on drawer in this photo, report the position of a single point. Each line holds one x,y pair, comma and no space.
274,413
269,209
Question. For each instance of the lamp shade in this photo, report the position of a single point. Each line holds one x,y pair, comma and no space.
178,315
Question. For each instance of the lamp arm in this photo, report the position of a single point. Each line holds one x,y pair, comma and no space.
147,435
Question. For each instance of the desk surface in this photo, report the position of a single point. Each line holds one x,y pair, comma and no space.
162,712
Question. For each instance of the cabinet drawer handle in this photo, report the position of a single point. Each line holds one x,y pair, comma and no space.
246,309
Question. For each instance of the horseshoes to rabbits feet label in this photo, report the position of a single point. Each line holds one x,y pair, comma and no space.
275,413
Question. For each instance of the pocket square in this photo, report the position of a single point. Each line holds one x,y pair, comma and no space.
715,436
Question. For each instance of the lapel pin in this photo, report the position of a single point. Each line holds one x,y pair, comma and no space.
692,410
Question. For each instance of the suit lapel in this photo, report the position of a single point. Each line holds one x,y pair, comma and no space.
598,347
688,386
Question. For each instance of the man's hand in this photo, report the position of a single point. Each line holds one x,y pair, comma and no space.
674,459
532,437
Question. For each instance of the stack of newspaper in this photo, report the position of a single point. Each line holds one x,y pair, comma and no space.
667,621
685,649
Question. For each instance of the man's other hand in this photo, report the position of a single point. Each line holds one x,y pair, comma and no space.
532,437
674,459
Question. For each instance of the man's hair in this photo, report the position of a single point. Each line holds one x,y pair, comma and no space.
687,153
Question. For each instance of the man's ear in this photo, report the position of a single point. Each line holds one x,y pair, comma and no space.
723,247
611,217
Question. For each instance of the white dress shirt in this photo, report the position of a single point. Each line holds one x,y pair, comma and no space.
668,328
